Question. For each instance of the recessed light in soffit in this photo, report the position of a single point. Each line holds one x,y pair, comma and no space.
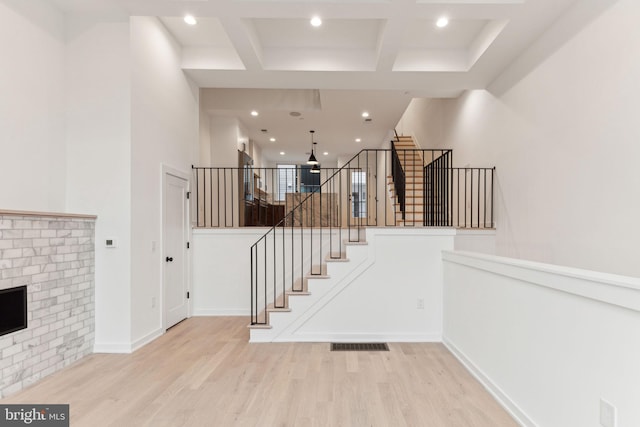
442,22
339,45
428,48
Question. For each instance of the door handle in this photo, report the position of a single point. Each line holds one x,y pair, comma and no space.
169,259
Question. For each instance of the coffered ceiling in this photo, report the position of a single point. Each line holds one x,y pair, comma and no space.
362,45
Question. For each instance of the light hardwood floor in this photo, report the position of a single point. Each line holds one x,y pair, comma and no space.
203,372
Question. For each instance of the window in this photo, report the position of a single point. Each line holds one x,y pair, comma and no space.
309,182
359,194
287,181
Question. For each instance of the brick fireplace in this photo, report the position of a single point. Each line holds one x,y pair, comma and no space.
53,256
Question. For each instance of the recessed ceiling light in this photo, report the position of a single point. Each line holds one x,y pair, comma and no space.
189,19
272,139
326,153
442,22
365,114
316,21
254,113
282,153
358,140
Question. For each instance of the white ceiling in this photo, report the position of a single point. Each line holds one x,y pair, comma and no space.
368,54
334,115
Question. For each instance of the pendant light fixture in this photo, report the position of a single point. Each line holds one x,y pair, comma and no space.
315,169
312,158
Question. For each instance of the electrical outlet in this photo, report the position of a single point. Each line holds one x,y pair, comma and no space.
607,414
154,245
420,304
153,302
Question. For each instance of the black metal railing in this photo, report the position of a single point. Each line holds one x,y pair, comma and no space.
317,227
436,191
398,178
471,197
249,196
356,196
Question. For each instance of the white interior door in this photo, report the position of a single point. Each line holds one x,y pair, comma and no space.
175,237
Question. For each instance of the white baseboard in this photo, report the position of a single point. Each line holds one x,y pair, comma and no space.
112,347
361,337
126,348
221,312
503,399
140,342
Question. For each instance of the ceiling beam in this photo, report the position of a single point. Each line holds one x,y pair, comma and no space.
245,41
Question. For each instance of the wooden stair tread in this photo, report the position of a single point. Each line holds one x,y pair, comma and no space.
317,276
348,243
290,293
278,309
266,326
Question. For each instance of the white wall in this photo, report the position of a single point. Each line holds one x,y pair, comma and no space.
205,138
164,130
374,296
98,173
423,120
382,302
222,270
564,140
549,342
224,141
32,141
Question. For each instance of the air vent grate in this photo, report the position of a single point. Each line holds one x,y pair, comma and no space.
359,346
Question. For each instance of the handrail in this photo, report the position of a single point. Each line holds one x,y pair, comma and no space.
398,177
340,207
244,196
262,299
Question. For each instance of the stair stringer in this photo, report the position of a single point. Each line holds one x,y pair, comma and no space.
322,291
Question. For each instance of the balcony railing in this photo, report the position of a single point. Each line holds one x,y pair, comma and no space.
361,194
378,187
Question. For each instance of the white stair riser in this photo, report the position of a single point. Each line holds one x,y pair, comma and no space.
299,304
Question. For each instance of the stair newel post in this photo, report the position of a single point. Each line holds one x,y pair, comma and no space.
275,268
330,211
424,192
320,215
471,204
366,174
266,284
251,284
484,216
359,201
301,250
492,178
348,183
340,211
292,252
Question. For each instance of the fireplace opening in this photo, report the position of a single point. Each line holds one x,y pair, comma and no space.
13,309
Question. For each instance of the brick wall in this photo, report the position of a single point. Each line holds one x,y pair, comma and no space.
54,257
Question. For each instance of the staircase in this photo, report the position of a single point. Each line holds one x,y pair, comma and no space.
299,268
412,162
311,294
358,298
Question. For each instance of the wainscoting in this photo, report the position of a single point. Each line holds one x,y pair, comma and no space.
53,256
548,341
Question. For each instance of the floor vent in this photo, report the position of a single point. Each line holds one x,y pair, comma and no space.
359,346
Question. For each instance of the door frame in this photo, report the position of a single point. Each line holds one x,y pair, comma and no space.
166,171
